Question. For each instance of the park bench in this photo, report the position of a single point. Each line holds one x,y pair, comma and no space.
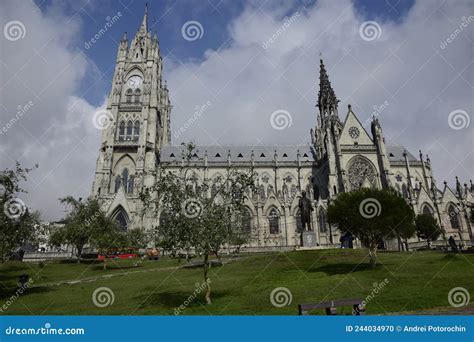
331,306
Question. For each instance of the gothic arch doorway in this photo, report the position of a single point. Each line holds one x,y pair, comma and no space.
120,216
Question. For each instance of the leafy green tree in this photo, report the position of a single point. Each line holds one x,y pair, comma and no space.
195,218
137,238
427,228
372,216
17,224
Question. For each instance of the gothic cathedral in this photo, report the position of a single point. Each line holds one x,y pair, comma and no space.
340,156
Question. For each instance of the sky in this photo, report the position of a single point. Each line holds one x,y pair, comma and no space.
408,62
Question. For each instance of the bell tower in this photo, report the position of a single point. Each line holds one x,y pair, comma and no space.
137,125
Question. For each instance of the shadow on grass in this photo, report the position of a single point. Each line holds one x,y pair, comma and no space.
343,268
12,292
83,261
174,299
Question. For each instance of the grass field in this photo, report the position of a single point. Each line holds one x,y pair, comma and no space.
415,281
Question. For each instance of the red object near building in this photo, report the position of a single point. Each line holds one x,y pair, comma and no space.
123,253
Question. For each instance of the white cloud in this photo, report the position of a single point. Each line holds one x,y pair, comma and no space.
406,67
43,71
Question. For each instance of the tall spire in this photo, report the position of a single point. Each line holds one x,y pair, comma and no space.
144,26
327,101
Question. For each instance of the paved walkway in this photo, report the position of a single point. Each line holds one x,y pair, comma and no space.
121,274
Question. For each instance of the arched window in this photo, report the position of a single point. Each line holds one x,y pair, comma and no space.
404,191
273,218
322,221
299,224
129,130
137,95
163,219
269,189
427,210
121,136
125,179
315,192
117,183
261,192
294,190
129,95
453,213
214,190
130,185
121,220
136,130
247,220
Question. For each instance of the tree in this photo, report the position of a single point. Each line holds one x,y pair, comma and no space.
18,224
427,228
195,218
372,216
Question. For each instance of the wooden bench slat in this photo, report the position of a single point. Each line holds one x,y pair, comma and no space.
331,306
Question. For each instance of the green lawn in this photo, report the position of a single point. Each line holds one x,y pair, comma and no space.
416,281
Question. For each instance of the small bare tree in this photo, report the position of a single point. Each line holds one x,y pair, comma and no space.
193,216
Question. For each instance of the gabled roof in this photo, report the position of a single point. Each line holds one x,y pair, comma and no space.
395,153
243,153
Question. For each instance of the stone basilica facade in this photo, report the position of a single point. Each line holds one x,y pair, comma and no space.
341,155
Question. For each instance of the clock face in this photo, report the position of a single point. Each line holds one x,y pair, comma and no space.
134,82
354,132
